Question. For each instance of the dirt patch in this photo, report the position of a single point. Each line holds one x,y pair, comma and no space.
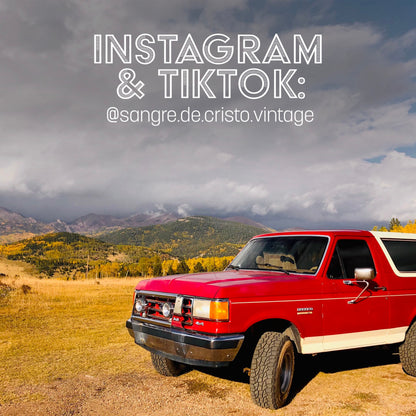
197,393
126,394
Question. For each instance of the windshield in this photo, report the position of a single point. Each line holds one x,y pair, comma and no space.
297,254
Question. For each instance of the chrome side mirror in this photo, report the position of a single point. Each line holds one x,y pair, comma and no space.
361,275
364,274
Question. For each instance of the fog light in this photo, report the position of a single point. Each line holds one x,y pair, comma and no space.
166,310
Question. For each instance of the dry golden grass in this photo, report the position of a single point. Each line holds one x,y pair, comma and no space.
55,329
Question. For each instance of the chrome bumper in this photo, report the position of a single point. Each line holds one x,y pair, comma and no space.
184,347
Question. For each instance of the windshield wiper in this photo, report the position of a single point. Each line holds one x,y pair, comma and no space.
279,268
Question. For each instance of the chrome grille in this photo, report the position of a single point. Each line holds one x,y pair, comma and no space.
152,310
154,306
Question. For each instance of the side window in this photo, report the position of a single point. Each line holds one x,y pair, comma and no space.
349,255
403,254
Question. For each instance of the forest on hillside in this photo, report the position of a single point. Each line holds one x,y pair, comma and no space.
188,237
73,256
176,248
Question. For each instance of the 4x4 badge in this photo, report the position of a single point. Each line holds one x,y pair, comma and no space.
304,311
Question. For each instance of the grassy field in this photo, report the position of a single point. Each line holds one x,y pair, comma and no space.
64,350
54,329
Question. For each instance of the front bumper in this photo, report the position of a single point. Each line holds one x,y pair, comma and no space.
185,347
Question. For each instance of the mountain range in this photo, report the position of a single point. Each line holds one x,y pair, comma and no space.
14,226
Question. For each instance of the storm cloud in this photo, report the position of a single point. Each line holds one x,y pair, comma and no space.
61,158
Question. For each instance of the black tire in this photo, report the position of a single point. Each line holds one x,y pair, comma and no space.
407,351
168,367
272,369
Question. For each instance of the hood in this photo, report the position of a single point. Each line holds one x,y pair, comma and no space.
230,284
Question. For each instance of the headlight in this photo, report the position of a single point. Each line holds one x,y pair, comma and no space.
214,310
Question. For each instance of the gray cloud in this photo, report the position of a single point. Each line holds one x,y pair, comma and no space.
60,158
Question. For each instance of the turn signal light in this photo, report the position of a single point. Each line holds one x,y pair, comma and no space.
214,310
219,311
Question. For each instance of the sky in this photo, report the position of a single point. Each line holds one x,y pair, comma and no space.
353,166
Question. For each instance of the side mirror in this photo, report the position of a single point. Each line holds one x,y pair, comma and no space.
364,274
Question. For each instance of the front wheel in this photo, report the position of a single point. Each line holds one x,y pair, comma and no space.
168,367
272,369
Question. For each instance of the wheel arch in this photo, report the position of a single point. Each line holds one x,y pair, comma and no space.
255,331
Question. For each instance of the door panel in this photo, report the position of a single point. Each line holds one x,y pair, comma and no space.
343,312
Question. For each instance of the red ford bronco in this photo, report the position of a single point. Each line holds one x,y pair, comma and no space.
284,294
